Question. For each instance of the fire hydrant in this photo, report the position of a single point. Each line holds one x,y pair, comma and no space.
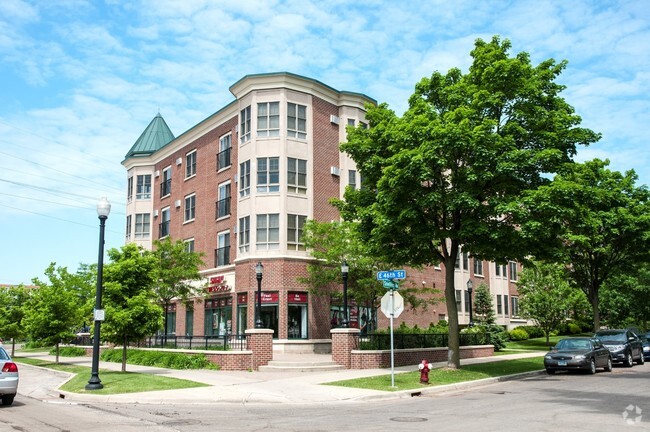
424,367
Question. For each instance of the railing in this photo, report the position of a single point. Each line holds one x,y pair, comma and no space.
381,341
228,342
165,187
222,256
223,158
163,229
223,208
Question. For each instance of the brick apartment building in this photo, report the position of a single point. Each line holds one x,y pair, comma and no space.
239,186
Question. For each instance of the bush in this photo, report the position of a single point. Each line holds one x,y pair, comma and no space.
168,360
574,328
518,334
533,331
69,352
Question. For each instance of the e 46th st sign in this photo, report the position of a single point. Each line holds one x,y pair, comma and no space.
391,274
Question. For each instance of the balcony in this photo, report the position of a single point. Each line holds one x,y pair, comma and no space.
222,256
166,188
223,208
223,159
163,229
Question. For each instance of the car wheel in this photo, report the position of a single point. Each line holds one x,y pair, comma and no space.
629,361
608,368
641,359
550,371
7,399
592,366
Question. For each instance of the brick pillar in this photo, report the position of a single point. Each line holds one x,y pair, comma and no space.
344,340
260,341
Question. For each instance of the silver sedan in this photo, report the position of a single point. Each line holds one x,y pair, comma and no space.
8,378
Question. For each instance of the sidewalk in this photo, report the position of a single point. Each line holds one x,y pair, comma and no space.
235,386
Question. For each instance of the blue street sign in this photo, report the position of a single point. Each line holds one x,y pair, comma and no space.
391,274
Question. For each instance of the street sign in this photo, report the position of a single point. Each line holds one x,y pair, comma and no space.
391,285
391,274
397,306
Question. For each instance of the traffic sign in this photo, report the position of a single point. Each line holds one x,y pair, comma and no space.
391,285
394,309
391,274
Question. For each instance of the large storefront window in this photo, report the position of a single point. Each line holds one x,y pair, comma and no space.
218,316
297,316
242,313
361,317
269,313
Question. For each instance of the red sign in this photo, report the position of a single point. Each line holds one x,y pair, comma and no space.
297,297
269,297
218,284
242,298
218,302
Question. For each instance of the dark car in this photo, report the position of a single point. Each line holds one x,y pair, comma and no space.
578,354
645,340
626,347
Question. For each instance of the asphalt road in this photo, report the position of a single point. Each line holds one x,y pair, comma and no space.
563,402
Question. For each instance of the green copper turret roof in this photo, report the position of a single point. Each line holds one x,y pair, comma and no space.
154,137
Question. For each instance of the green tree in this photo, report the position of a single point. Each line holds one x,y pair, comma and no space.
53,311
626,299
604,223
544,295
176,273
452,169
131,313
483,307
12,300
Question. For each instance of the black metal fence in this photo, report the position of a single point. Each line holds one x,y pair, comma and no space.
381,341
229,342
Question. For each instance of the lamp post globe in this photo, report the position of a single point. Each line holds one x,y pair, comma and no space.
103,210
259,270
470,285
344,273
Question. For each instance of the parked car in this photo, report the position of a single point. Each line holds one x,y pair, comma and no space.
626,347
578,354
8,378
645,340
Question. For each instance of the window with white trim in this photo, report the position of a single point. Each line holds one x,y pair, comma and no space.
166,182
244,234
515,306
190,207
499,305
128,227
165,216
505,305
513,270
296,175
223,249
143,187
478,267
223,203
190,164
458,300
189,245
245,178
295,224
129,189
352,178
268,231
296,121
268,174
245,125
142,225
225,149
268,119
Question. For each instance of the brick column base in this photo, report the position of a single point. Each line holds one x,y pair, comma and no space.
260,342
344,340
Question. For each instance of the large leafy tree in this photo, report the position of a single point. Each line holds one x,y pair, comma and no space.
176,273
625,299
12,300
451,170
544,295
604,223
131,313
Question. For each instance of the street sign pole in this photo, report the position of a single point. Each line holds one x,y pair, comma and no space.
392,345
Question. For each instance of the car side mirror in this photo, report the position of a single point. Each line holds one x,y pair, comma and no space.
631,338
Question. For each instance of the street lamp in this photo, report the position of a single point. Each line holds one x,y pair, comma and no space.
469,292
344,271
103,209
259,268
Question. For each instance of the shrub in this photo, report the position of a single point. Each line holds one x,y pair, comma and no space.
518,334
533,331
574,328
169,360
69,352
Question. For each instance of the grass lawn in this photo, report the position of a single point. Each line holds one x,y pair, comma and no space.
443,376
536,344
114,382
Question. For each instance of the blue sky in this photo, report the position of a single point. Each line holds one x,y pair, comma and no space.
80,80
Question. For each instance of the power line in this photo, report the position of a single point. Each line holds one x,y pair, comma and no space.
41,188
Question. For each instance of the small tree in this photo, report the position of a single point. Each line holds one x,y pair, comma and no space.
12,300
544,295
483,307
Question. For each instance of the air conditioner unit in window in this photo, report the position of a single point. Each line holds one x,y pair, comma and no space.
155,213
157,173
334,119
335,171
177,203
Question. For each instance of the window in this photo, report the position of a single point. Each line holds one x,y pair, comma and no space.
166,184
268,174
128,227
164,223
458,299
190,207
244,234
478,267
190,164
143,188
223,157
363,125
352,178
245,125
465,261
222,253
505,305
295,224
245,178
467,300
457,263
351,122
129,189
497,269
499,305
515,306
268,119
296,175
189,245
513,270
142,225
268,231
296,121
223,204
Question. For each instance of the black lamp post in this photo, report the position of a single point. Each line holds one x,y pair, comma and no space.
469,292
103,209
344,272
259,268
